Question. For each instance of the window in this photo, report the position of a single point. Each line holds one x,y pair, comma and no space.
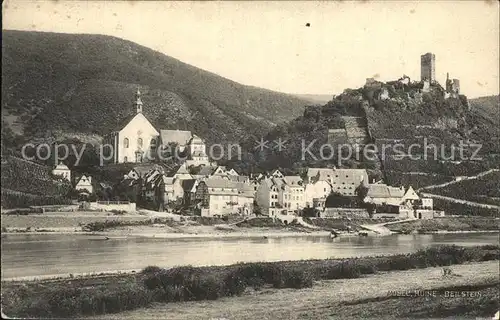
153,143
125,143
125,159
139,142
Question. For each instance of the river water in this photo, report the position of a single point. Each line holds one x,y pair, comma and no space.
26,255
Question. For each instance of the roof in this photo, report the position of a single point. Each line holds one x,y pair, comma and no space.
168,180
396,192
378,191
206,171
313,172
245,190
360,172
221,183
239,178
123,122
179,169
279,182
176,136
411,194
384,191
79,179
144,168
61,166
293,180
188,184
221,186
196,139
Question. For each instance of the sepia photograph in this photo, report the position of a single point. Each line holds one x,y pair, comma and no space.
242,160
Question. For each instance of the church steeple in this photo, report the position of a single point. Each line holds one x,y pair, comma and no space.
138,101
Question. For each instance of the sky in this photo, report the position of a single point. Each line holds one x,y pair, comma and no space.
267,44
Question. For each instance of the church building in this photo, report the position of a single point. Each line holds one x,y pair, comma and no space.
136,140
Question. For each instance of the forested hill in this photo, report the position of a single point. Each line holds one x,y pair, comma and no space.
79,83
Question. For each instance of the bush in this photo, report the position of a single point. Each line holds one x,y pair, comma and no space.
151,269
293,278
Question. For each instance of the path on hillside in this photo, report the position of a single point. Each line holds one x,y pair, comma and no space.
474,204
479,175
301,221
381,228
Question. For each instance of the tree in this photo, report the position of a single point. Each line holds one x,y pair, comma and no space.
256,209
309,212
337,200
361,193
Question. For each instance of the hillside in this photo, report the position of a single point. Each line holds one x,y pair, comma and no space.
386,114
488,106
84,84
315,98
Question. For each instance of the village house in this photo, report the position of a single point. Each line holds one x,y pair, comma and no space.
62,170
398,203
346,181
280,194
219,197
343,181
245,198
173,190
151,189
292,194
189,146
316,193
380,194
84,184
189,187
319,174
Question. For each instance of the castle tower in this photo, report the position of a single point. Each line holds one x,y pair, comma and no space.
452,86
428,67
138,101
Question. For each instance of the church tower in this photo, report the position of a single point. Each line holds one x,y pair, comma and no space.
138,101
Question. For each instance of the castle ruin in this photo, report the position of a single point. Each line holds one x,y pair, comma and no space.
452,86
428,67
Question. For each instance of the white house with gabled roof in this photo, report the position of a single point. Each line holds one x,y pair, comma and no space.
84,184
62,170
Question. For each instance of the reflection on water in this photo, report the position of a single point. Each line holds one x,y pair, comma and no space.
49,254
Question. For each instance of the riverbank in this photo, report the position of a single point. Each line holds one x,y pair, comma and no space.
115,293
448,224
455,224
371,297
178,227
188,232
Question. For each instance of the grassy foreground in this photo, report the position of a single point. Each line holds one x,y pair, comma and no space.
154,284
471,291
